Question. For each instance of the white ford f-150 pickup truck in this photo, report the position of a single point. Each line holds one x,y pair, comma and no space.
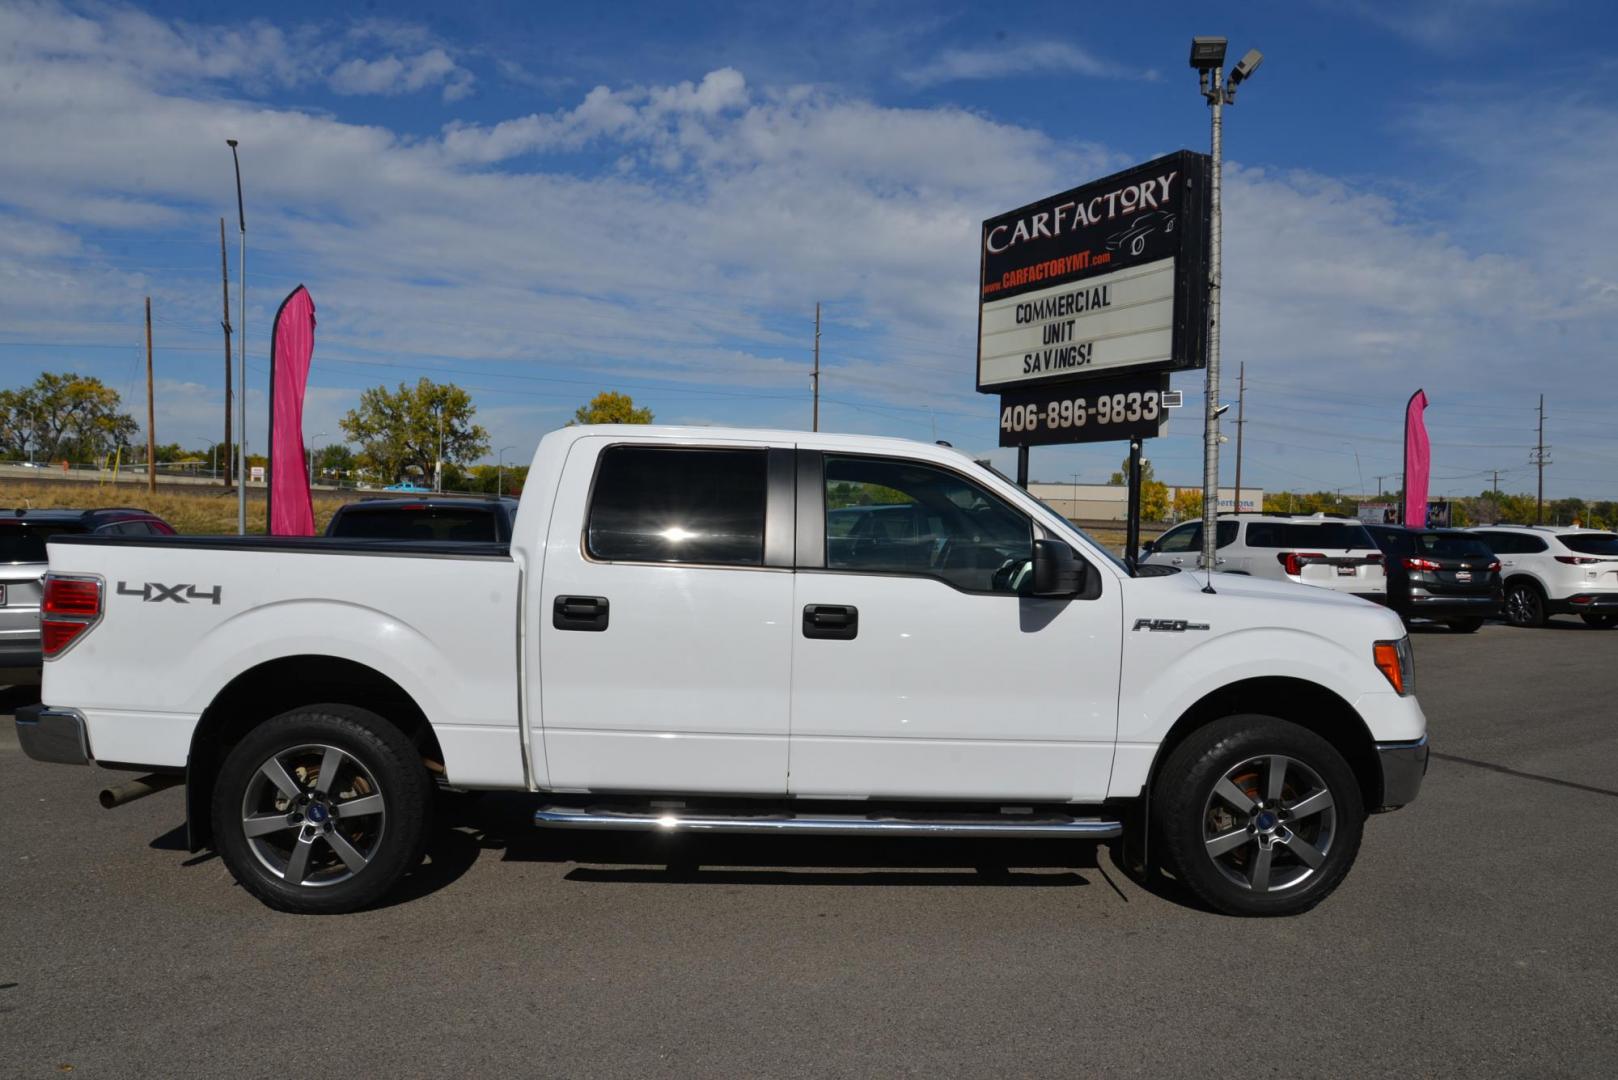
730,630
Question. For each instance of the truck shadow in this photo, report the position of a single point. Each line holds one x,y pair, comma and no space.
504,822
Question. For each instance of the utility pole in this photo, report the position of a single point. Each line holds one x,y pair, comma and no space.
1241,420
1540,461
815,378
224,280
241,368
151,409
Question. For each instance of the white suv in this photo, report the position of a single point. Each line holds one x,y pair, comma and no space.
1329,552
1556,570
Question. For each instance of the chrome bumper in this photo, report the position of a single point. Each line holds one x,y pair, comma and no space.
55,735
1403,766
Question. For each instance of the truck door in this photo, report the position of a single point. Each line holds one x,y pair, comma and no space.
920,669
665,618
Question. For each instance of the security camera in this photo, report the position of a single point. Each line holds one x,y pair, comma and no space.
1245,67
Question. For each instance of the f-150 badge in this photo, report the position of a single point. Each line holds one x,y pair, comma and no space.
1172,626
154,592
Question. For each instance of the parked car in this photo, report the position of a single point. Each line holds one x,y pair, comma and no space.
22,566
1443,574
1329,552
439,518
1556,570
669,626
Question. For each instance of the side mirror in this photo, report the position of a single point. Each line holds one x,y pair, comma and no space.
1058,572
1148,547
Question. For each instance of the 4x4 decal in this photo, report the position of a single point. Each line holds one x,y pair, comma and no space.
153,592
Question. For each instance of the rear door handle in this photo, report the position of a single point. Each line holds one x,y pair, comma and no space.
836,622
580,613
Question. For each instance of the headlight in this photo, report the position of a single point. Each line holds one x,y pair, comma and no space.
1397,662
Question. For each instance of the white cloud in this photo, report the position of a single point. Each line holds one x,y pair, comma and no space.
1020,59
406,75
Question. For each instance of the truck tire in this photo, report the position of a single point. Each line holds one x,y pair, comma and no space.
1259,816
321,810
1525,604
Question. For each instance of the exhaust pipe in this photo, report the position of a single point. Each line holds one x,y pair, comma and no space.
138,789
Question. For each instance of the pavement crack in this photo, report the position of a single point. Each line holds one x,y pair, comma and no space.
1609,792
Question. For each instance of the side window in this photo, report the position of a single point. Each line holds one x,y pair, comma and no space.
673,504
1264,534
889,516
1225,535
1531,545
1182,538
115,528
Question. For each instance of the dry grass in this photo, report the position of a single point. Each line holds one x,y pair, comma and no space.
201,511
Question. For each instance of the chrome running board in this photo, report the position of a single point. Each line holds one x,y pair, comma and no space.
1054,826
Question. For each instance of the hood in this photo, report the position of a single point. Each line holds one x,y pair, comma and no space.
1239,602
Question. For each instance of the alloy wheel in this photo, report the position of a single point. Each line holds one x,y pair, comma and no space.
313,815
1268,823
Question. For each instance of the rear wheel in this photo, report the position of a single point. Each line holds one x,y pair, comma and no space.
1466,626
1602,621
1259,816
1525,604
321,810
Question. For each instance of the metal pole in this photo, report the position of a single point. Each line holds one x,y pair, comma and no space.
224,281
1210,432
500,471
1132,527
1539,459
1022,467
815,378
151,409
241,367
1241,421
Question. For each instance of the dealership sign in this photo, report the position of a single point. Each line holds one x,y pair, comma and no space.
1106,279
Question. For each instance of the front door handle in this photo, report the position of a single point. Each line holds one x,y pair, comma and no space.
835,622
579,613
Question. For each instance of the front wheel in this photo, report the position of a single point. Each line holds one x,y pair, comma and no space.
322,809
1259,816
1601,621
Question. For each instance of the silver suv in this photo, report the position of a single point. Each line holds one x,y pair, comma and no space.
1556,570
1329,552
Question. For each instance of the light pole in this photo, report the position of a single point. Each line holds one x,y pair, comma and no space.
500,470
315,438
1208,57
241,367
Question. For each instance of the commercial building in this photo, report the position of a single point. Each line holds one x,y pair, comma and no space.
1109,502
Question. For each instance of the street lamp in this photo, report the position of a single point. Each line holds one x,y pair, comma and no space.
500,469
241,368
315,438
1208,57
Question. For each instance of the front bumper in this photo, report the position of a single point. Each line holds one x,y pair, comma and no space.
1404,764
54,735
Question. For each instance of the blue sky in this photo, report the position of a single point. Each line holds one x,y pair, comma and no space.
540,201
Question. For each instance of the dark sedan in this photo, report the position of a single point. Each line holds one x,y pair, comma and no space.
1442,574
469,520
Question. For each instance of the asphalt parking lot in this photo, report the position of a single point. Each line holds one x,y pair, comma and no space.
1477,935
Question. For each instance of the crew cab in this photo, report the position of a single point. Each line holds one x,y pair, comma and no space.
677,638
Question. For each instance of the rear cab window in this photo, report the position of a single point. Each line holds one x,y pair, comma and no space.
667,504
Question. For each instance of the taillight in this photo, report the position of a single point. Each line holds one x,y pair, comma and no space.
1576,560
1294,561
1494,567
70,607
1420,564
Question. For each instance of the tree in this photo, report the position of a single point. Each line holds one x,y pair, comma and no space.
403,429
611,407
1154,494
63,416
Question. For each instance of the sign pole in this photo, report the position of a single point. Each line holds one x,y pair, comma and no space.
1132,527
1022,466
1210,431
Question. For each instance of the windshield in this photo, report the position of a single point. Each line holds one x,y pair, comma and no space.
24,541
1591,543
1051,510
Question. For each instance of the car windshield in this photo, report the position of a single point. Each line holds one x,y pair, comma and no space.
1452,546
24,541
471,524
1591,543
